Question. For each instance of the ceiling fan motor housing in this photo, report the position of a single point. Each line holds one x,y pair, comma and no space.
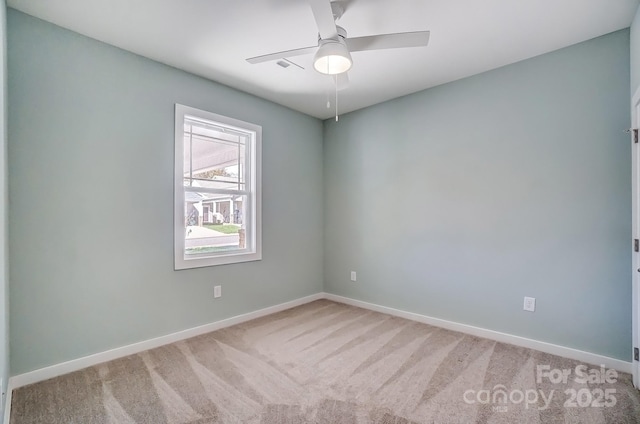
342,34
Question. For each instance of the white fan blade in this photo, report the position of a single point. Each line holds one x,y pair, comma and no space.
324,18
281,55
388,41
343,81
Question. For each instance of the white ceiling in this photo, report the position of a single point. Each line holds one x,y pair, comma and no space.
212,38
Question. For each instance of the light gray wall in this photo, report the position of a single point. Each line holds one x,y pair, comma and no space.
4,254
635,53
91,188
458,201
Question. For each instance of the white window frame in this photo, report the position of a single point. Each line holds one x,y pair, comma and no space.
253,214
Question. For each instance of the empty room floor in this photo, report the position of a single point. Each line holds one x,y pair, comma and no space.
326,362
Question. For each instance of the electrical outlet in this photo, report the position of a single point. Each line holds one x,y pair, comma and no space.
217,291
530,304
353,276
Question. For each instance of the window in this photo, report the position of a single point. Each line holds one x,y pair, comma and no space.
217,190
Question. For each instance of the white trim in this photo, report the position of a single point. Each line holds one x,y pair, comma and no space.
579,355
120,352
98,358
635,228
253,207
636,97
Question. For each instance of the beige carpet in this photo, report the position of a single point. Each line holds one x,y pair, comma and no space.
326,362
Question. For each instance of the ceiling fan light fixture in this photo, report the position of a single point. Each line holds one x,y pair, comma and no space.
332,57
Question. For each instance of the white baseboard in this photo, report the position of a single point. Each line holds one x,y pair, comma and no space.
566,352
87,361
120,352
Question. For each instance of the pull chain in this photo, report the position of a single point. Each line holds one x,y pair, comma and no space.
336,81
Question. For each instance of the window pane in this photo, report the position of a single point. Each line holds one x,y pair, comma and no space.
214,223
213,158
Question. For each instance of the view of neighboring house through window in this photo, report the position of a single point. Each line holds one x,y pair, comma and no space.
217,189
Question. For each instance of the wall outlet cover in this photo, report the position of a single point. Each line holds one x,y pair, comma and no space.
529,304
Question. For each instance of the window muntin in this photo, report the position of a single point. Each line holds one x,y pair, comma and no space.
217,201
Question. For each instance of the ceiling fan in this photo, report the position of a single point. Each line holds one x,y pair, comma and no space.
333,52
